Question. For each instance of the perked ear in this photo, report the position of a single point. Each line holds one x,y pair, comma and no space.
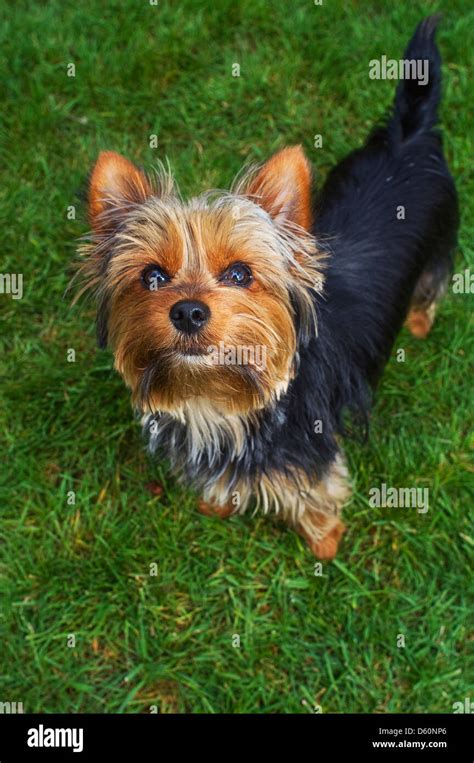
114,183
283,187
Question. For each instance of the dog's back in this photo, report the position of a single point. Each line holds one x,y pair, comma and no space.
388,214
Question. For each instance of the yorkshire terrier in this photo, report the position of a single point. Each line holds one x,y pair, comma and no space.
251,324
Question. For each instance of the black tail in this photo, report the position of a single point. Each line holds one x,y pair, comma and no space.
417,100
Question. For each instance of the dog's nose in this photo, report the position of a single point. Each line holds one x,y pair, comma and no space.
189,315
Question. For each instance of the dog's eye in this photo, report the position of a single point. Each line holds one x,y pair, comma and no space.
153,277
237,275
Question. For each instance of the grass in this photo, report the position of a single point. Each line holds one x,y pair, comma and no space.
83,568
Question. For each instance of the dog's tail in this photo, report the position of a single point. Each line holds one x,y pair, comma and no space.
417,98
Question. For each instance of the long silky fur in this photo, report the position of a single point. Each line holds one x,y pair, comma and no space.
374,263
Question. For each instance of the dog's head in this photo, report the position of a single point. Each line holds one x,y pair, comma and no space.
207,298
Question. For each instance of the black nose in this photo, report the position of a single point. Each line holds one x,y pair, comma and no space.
189,316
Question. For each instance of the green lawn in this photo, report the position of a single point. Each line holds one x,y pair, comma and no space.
166,640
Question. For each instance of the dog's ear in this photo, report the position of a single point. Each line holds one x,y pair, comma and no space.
283,187
115,184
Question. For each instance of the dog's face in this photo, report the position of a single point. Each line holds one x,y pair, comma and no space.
207,299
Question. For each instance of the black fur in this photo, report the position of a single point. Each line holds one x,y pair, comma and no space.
375,263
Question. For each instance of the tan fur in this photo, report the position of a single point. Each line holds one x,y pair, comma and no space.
114,177
263,223
419,322
283,186
208,427
195,242
314,511
429,291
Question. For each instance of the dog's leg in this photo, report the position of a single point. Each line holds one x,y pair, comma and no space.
320,523
429,290
323,542
221,500
313,510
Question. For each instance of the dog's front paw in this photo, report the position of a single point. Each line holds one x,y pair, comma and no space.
212,510
311,529
326,548
155,488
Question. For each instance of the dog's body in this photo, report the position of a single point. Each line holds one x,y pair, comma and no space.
385,224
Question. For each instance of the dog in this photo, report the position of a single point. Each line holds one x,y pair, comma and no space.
252,326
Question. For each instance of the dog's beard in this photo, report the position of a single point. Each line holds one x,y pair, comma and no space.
172,378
